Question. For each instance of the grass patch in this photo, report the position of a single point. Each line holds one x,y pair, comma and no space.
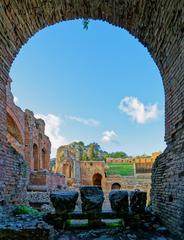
122,169
115,224
68,222
22,209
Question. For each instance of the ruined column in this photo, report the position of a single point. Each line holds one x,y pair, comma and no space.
76,163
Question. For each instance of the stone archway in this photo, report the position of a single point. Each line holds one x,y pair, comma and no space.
97,179
14,135
159,27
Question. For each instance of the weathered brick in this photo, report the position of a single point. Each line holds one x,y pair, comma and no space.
158,24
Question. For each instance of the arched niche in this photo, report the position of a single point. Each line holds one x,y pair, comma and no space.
116,186
14,136
44,159
36,157
97,179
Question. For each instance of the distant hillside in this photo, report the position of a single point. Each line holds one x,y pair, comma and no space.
82,152
91,152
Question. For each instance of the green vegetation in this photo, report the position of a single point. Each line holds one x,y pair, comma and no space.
22,209
115,223
86,24
91,152
68,222
85,157
122,169
116,155
143,156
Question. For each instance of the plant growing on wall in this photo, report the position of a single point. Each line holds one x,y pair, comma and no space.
86,24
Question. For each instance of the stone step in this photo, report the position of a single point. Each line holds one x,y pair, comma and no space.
38,197
37,188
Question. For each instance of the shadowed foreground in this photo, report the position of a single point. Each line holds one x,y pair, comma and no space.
113,234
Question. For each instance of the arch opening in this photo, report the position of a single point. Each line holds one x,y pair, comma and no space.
69,173
97,179
67,170
36,157
44,159
14,136
139,19
116,186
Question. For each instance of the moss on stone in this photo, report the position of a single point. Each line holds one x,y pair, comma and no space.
23,209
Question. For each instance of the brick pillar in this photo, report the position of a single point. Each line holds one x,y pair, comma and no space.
2,109
3,141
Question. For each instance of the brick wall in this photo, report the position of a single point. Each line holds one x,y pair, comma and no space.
141,182
159,27
51,181
88,171
24,130
14,180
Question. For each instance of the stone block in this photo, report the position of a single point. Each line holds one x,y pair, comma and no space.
138,201
92,198
64,202
119,201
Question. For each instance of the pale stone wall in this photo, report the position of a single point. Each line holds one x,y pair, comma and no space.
137,181
89,169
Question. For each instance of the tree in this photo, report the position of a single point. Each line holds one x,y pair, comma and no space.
91,151
85,156
117,155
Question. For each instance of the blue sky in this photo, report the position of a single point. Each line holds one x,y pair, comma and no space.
99,85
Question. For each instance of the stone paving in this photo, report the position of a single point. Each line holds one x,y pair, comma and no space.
112,234
34,228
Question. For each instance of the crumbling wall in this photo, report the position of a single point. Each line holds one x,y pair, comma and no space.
46,181
14,177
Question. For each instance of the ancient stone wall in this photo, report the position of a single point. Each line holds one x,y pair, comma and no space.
167,185
139,180
44,180
15,172
141,159
35,136
88,171
24,131
159,26
15,122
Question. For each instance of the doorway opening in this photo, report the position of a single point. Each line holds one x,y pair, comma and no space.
97,179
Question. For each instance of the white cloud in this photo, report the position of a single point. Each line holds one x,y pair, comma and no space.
109,136
52,130
90,122
137,110
15,99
